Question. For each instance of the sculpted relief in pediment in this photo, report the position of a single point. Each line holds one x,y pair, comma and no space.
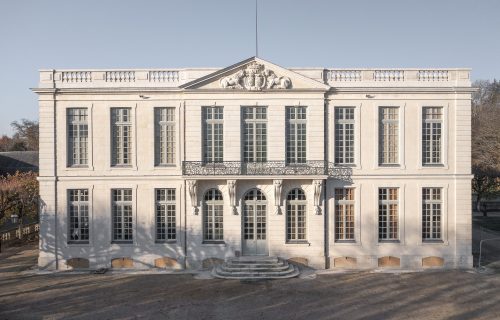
255,77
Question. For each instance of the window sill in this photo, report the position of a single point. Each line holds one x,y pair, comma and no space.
214,243
384,166
299,242
126,243
165,166
437,165
433,241
76,167
78,243
389,242
166,242
345,241
121,167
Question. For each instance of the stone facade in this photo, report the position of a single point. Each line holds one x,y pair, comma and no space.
255,82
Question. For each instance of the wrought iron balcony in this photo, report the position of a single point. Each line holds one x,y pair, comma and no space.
268,168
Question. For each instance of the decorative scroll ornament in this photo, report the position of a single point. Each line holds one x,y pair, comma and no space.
231,186
255,77
192,188
277,195
318,185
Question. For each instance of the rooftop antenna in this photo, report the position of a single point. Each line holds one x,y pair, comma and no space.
256,31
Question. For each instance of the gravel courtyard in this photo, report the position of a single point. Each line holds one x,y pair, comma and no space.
361,295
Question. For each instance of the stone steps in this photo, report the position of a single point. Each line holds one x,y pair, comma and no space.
255,268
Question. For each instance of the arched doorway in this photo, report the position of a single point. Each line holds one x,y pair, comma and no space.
254,223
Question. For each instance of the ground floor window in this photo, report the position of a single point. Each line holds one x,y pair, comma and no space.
431,213
388,214
78,215
213,216
344,214
296,215
122,215
165,215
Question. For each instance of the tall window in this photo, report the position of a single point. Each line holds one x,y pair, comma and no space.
165,135
389,135
296,134
122,215
78,215
388,214
344,214
122,136
255,134
344,135
165,215
296,215
432,204
213,134
78,136
213,223
432,118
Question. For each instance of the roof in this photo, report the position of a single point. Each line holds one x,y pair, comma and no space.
22,161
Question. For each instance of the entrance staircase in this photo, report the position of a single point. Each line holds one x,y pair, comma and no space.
255,268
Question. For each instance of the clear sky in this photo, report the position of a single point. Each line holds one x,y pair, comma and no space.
39,34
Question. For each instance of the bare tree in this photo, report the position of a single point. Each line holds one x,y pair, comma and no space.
486,141
26,132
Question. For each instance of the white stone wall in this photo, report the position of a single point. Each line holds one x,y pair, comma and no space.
189,250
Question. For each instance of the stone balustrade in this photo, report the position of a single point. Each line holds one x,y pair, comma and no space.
173,78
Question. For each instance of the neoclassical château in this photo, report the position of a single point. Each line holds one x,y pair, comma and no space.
335,168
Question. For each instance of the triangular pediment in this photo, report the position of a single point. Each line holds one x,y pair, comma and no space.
255,74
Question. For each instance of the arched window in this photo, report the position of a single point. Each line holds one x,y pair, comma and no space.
254,215
296,215
213,212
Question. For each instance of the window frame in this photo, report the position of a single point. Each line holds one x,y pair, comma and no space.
401,136
296,203
114,163
170,126
79,203
444,136
166,203
123,203
215,205
70,163
212,123
296,124
387,202
255,121
444,214
344,203
344,122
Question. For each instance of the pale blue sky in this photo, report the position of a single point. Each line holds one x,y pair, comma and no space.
216,33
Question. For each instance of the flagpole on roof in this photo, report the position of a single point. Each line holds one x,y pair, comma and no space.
256,30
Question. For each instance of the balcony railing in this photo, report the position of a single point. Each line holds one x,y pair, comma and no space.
269,168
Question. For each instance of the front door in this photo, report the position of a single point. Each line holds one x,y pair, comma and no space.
254,222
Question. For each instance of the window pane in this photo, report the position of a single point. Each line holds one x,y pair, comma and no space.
388,214
77,126
389,135
344,214
213,134
122,215
296,135
432,135
255,134
431,213
122,136
344,135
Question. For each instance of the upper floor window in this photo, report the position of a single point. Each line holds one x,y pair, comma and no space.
78,204
121,124
213,134
296,215
388,214
164,135
122,215
165,215
255,134
432,204
78,136
389,135
344,214
296,134
344,135
432,125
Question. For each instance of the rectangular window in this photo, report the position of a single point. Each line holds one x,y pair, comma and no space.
296,135
255,134
432,206
344,135
213,134
78,205
388,214
344,214
164,136
389,135
432,125
165,215
78,136
121,124
122,215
